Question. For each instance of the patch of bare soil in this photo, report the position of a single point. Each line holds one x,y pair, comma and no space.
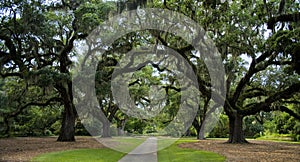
260,151
25,148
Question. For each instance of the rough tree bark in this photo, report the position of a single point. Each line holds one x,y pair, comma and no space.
106,129
106,119
67,131
199,124
236,134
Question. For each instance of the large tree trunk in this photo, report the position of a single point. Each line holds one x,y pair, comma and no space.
199,131
188,132
200,135
105,125
200,126
106,129
236,134
67,131
121,126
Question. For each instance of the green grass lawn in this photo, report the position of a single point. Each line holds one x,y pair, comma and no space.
174,153
169,154
81,155
123,144
278,138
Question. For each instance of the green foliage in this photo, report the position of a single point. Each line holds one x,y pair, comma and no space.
36,43
295,132
90,14
37,122
252,127
135,126
222,128
55,127
80,130
283,123
37,38
18,117
47,77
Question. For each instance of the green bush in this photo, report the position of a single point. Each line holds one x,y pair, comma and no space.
252,128
55,127
80,130
257,135
283,123
222,128
48,133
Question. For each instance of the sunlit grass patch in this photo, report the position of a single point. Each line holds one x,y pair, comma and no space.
278,138
81,155
174,153
122,144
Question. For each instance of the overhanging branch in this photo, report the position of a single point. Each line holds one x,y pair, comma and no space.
289,111
41,104
293,17
5,75
254,108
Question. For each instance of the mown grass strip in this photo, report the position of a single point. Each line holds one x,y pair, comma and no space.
81,155
174,153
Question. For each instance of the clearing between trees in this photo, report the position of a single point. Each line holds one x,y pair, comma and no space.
25,148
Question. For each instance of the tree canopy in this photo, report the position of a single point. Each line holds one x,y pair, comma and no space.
258,42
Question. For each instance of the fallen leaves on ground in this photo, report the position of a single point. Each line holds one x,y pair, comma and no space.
25,148
260,151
